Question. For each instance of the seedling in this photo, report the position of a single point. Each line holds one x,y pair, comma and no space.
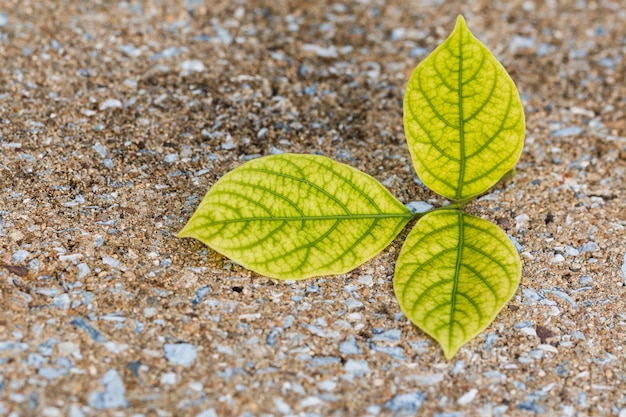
298,216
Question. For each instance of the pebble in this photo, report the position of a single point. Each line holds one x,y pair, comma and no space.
352,304
406,403
588,247
327,385
4,20
191,66
281,406
171,158
114,394
350,347
426,379
168,378
468,397
95,335
357,368
567,131
392,335
208,413
111,103
112,262
20,256
418,206
61,301
83,270
565,297
183,354
624,268
320,51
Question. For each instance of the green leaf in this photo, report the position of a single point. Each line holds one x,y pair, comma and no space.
454,273
463,118
297,216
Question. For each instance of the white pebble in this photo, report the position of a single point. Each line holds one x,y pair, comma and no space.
171,158
168,378
558,258
83,270
468,397
528,331
112,262
548,348
20,255
521,221
190,66
419,206
111,103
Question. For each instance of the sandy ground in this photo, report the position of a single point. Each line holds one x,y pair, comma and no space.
115,119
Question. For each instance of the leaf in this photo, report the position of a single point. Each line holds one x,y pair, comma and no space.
454,274
463,118
297,216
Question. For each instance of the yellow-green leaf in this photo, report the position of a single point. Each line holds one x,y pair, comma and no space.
297,216
454,273
463,117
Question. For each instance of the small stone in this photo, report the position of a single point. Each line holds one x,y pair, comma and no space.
392,335
327,385
558,258
468,397
588,247
427,379
567,131
624,268
114,394
357,367
406,403
171,158
521,221
112,262
281,406
20,256
83,270
320,51
4,20
350,347
419,206
188,67
111,103
311,402
75,411
168,378
208,413
61,301
183,354
352,304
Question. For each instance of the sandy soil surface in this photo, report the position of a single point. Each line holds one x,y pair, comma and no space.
115,119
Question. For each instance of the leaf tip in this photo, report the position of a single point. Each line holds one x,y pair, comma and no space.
184,232
460,22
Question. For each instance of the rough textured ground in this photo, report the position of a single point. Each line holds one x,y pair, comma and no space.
116,117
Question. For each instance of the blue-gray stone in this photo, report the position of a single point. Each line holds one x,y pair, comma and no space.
357,367
114,394
407,403
183,354
51,373
81,323
350,347
392,335
207,413
200,294
567,131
